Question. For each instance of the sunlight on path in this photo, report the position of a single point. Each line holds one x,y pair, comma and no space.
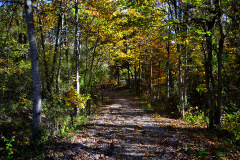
124,131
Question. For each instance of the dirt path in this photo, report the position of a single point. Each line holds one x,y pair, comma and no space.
124,131
127,131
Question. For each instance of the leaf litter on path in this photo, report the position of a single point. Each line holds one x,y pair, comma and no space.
124,131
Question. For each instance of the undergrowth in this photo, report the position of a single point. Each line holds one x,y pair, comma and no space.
193,115
58,120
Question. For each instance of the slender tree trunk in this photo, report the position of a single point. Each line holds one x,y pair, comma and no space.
67,49
220,83
91,68
181,87
135,78
46,69
102,89
178,15
118,76
159,76
77,110
56,47
168,75
151,79
128,83
139,80
37,103
186,62
58,75
185,80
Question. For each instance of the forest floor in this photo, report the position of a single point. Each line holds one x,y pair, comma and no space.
123,130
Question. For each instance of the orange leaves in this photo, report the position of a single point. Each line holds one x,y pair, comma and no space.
146,153
139,126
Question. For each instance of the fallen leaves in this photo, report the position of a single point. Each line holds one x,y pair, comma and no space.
127,132
139,126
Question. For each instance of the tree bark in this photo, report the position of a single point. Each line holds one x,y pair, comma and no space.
46,68
56,46
151,79
219,57
168,75
37,103
210,82
77,110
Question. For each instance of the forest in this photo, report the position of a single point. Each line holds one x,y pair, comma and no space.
60,59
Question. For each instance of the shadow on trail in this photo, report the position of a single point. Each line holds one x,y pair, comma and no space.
149,145
125,131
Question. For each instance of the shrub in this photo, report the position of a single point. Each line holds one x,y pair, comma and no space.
73,99
231,122
196,116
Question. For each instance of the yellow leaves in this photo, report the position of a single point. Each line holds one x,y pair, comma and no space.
132,12
116,13
201,88
74,99
23,100
162,80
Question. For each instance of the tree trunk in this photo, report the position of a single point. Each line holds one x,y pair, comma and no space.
151,80
128,81
139,80
168,75
181,86
58,75
77,110
159,76
220,83
46,68
210,82
135,78
37,103
56,46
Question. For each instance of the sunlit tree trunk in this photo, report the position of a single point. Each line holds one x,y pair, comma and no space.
185,19
77,110
181,85
37,103
178,15
60,56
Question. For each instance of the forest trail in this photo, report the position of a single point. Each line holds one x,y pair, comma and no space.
123,130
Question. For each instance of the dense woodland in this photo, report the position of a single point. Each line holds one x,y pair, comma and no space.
59,57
